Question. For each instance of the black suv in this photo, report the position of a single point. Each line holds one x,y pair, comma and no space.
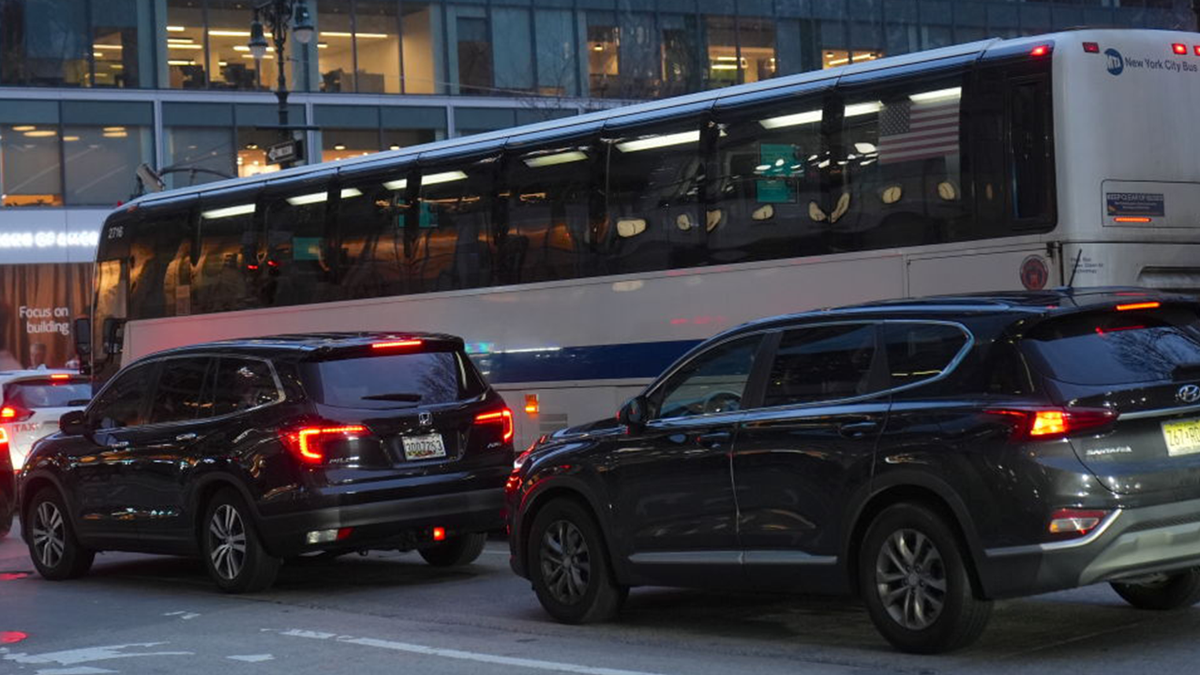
928,455
245,452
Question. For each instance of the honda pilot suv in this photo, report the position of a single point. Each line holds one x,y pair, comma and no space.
928,455
250,451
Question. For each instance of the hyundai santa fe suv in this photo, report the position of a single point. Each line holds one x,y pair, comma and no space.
928,455
250,451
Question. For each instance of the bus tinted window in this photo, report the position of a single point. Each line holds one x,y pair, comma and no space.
371,218
901,158
301,261
654,183
765,183
228,264
452,243
1032,172
160,253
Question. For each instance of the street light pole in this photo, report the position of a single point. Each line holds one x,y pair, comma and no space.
278,14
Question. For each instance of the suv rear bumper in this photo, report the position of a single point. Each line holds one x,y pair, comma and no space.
1129,543
404,523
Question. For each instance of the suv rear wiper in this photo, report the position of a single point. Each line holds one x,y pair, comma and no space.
398,396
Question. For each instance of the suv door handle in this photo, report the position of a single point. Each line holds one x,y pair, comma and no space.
189,436
858,429
714,437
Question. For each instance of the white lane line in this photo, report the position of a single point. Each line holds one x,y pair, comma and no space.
183,615
72,657
252,658
78,670
534,664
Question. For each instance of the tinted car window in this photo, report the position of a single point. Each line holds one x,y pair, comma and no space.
39,394
242,384
122,404
394,381
920,351
821,363
1116,347
180,390
712,382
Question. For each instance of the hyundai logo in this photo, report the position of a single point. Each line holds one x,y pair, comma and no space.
426,419
1188,393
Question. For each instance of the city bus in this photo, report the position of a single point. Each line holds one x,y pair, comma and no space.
578,257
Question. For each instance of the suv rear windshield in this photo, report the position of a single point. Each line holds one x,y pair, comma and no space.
394,380
45,394
1113,347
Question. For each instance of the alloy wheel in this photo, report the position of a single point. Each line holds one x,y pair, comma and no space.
566,562
227,542
910,579
49,534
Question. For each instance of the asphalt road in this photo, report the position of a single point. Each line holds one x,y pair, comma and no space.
391,613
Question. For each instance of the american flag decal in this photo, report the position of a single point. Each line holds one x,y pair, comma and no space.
911,130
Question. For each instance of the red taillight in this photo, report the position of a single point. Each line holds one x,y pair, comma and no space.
1138,305
1048,424
3,440
503,417
1091,47
12,413
309,442
60,377
531,404
1131,219
396,344
1040,50
1197,50
1179,48
1075,522
439,534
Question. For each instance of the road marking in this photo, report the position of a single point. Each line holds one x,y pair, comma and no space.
534,664
78,670
71,657
252,658
183,615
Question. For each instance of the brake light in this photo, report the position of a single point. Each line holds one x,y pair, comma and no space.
504,417
1077,522
12,413
1179,48
1048,424
60,377
1131,219
1138,305
1040,50
1197,50
308,443
1091,47
531,404
439,534
3,440
395,344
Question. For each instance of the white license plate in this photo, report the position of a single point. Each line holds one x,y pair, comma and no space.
423,447
1182,437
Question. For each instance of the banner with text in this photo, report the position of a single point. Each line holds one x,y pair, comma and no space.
37,306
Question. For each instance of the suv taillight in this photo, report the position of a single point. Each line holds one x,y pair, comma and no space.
309,442
503,417
1050,424
12,413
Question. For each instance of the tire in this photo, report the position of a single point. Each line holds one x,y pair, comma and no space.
53,546
1164,593
455,551
232,548
915,583
569,565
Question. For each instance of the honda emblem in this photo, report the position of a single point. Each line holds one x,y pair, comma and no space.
425,419
1188,393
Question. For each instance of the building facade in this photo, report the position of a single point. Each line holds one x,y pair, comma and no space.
91,89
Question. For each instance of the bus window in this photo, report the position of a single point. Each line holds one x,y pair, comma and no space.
229,264
370,222
452,247
554,211
300,264
160,269
765,183
900,157
1032,166
654,180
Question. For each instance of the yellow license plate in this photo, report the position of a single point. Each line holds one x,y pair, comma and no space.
1182,437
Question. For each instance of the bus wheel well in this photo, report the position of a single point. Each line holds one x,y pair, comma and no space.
911,494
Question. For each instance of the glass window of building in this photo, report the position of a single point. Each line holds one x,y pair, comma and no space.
100,162
252,147
335,46
378,46
756,47
641,69
832,58
185,45
473,50
395,139
346,143
680,54
514,54
42,44
230,63
115,48
408,126
722,51
420,25
30,165
557,67
604,60
198,155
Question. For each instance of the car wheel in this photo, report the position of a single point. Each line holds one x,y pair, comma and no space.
569,566
914,580
232,550
1162,591
56,552
455,551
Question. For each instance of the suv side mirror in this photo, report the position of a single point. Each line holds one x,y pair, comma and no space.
73,423
114,335
82,332
634,413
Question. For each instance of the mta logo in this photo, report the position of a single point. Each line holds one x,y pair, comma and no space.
1116,64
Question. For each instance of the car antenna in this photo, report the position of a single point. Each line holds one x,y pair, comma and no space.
1074,269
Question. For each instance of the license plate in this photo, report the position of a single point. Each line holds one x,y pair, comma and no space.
1182,437
423,447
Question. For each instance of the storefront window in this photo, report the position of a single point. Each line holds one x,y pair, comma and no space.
185,44
346,143
198,155
422,52
378,44
335,46
101,162
30,172
604,61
